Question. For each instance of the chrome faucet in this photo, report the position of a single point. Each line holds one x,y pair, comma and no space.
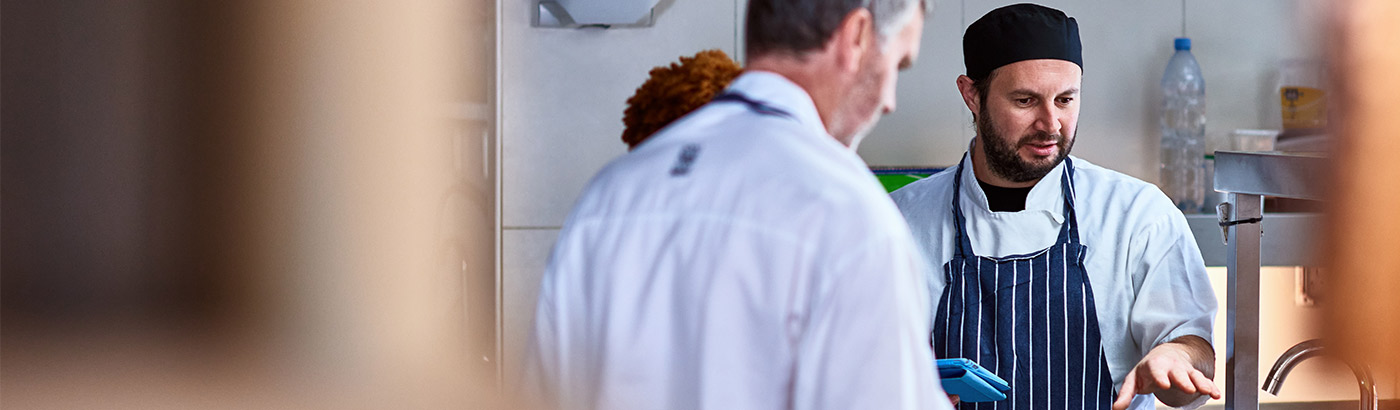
1312,348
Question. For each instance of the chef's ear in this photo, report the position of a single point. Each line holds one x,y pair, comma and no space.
853,38
969,94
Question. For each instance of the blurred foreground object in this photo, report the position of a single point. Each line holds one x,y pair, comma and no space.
240,205
1364,219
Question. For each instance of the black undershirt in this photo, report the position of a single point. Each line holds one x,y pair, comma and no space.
1001,199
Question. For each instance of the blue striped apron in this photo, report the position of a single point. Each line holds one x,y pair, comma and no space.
1028,318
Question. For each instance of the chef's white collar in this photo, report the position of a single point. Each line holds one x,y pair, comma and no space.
1044,196
779,92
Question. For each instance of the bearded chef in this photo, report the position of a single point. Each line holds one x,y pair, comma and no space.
1081,286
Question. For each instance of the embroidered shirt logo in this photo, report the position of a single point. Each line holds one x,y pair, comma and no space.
686,158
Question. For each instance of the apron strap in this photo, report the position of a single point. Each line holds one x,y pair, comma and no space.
964,247
1069,231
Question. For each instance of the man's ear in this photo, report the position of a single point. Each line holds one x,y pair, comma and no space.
853,38
969,94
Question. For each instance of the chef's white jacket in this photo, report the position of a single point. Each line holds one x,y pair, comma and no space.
767,271
1149,281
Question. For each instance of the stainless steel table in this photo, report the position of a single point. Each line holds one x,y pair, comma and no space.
1248,177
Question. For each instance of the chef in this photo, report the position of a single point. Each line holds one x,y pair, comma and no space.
743,257
1079,285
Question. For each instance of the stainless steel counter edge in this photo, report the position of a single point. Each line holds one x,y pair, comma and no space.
1311,405
1280,174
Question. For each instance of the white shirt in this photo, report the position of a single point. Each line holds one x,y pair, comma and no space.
1149,281
771,273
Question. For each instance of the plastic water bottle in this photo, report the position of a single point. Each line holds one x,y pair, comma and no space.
1183,123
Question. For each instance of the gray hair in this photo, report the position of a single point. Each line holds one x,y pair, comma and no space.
797,26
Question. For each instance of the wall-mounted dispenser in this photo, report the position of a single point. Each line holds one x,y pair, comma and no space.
594,13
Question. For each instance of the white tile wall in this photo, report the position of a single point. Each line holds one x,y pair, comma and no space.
525,252
1239,45
565,90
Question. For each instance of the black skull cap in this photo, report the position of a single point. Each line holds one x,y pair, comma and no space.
1020,32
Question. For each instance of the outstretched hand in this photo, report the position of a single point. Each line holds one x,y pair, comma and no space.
1168,371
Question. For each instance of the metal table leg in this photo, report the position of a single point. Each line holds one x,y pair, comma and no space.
1242,305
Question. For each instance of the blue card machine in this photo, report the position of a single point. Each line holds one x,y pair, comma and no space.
971,382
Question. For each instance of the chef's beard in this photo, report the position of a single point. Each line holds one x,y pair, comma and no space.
1004,159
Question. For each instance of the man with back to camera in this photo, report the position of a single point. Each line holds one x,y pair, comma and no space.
744,257
1064,278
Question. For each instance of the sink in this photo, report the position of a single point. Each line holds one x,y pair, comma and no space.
1313,405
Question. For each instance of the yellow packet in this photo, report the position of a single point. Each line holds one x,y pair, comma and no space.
1303,107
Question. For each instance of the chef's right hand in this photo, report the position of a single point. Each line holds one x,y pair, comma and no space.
954,399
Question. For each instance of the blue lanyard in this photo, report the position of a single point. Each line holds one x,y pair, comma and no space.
755,105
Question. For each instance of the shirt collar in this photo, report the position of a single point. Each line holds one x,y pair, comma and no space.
1044,197
774,90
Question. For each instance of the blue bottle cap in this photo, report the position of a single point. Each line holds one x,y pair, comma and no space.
1183,43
